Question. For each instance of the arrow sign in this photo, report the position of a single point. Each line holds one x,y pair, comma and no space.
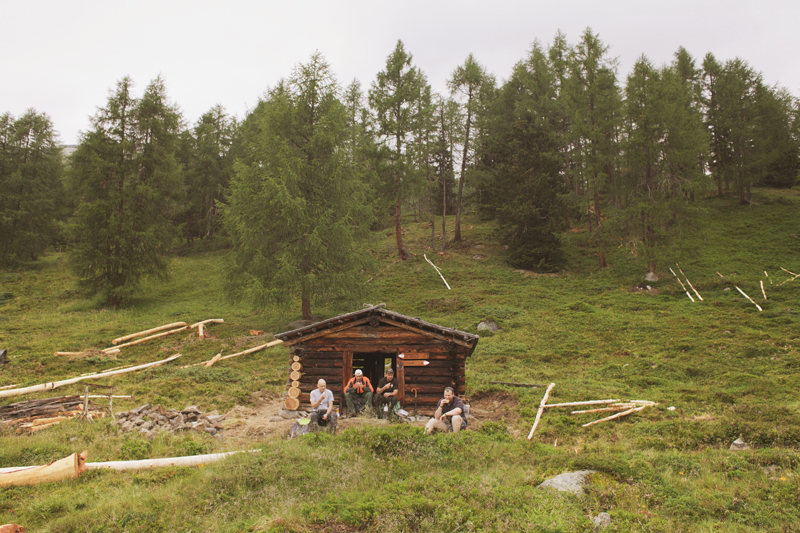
416,362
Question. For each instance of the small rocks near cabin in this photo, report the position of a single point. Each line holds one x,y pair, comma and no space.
149,420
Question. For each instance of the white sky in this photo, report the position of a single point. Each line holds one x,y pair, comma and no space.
62,58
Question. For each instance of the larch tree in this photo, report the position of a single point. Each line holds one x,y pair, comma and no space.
400,99
208,170
30,184
294,215
466,83
126,176
595,112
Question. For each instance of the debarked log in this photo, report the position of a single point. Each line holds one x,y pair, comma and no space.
147,332
54,384
148,464
68,468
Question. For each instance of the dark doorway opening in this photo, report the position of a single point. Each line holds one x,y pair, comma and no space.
374,364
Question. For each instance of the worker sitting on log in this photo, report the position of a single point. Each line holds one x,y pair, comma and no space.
448,415
358,388
322,413
386,394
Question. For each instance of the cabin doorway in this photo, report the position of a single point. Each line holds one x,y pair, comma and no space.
374,364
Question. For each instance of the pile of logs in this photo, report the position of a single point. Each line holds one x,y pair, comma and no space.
293,394
148,420
35,415
620,408
147,335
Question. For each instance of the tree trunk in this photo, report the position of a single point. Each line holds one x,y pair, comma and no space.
397,228
457,234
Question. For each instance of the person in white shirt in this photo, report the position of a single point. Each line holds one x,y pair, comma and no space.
322,413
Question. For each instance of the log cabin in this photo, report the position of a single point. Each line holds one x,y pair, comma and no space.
425,357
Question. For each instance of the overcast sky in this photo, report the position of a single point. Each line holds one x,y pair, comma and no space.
62,58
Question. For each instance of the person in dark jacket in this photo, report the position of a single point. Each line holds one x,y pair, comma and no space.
358,388
449,415
387,392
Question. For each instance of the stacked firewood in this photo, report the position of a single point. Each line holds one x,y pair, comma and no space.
35,415
293,394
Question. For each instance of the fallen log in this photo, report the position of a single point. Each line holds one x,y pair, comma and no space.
437,271
214,360
147,332
251,350
4,387
147,464
511,384
209,321
55,384
620,407
541,410
68,468
573,404
612,417
145,339
746,296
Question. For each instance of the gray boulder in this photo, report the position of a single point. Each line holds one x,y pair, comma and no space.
739,445
569,482
489,325
601,521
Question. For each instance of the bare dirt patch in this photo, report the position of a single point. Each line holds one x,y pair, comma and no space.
493,407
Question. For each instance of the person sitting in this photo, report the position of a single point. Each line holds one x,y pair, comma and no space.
358,389
322,413
448,415
387,392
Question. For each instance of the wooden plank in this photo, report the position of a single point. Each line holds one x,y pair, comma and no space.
426,333
325,332
408,356
416,363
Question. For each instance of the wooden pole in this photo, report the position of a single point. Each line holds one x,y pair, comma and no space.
619,407
794,276
682,285
148,332
251,350
147,464
763,291
689,282
55,384
746,296
437,270
541,410
214,360
145,339
511,384
209,321
612,417
572,404
9,387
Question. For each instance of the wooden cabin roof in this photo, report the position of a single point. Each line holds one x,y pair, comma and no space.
380,313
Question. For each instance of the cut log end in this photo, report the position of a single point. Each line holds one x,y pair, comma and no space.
294,392
291,404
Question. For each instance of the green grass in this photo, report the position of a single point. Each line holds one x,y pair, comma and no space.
729,370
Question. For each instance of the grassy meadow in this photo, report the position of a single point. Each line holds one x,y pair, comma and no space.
729,371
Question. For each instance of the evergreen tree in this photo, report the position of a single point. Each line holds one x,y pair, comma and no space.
400,99
126,175
468,81
30,181
208,169
520,164
665,147
594,105
294,214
